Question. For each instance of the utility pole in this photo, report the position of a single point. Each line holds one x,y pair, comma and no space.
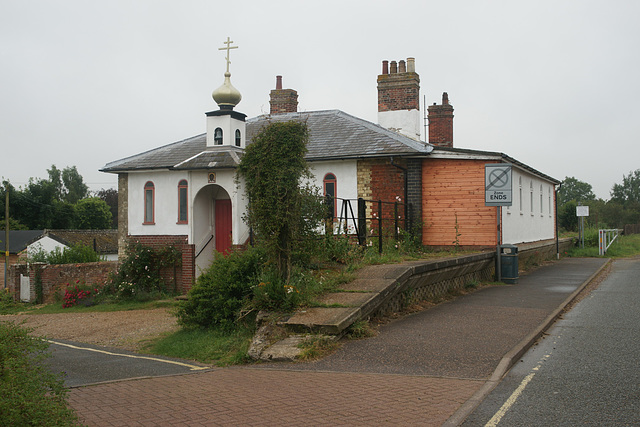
6,235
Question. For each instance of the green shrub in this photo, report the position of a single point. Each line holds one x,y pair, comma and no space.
139,276
272,293
30,394
222,290
76,254
7,303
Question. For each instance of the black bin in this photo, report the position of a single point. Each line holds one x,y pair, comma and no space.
509,264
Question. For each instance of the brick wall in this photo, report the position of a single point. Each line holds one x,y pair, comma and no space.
13,281
184,276
378,179
12,260
414,194
56,278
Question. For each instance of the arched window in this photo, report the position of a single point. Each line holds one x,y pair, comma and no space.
330,189
217,136
238,140
183,202
149,203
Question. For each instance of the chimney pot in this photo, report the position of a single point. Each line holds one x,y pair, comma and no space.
394,67
411,65
445,98
402,66
278,82
385,67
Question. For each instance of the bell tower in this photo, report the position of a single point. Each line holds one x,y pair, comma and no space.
226,127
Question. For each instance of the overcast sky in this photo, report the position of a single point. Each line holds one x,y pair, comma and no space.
554,84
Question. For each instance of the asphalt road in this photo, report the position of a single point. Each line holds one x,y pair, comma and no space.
585,371
84,364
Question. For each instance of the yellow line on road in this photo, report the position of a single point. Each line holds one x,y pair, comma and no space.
173,362
493,422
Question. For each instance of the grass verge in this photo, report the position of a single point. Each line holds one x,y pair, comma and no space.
218,346
622,247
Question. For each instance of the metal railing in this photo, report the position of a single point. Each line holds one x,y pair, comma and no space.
356,222
605,239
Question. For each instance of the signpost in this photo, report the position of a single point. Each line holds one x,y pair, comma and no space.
497,192
582,211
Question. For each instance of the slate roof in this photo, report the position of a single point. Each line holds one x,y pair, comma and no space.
333,134
19,239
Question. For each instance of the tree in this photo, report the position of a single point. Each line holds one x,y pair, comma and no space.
110,196
74,187
92,213
576,190
273,168
47,203
629,191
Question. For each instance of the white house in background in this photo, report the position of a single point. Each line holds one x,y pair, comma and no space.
104,242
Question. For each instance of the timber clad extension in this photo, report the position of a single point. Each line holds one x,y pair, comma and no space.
456,187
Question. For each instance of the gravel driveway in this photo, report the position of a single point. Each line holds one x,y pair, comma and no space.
121,329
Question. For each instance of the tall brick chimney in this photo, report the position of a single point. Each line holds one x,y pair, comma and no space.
283,100
441,123
399,98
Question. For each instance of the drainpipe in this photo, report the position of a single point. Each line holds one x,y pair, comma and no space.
556,209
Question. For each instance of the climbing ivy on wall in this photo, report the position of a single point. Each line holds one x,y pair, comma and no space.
283,210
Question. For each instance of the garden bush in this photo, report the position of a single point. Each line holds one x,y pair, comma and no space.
79,294
30,394
76,254
139,276
222,290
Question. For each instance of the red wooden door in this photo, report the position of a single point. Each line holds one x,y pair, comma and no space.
223,225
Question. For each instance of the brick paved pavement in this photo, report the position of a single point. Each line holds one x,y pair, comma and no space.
412,387
246,396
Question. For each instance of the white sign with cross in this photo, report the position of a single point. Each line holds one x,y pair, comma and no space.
497,184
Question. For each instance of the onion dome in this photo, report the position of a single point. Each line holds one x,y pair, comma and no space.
227,95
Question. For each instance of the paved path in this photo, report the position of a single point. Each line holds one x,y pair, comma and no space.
418,371
273,398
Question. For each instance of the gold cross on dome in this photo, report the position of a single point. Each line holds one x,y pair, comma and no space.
228,48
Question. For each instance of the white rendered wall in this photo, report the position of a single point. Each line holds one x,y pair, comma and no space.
346,173
407,122
530,218
46,244
166,203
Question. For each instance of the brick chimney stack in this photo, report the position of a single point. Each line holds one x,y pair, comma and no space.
283,100
441,123
399,97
